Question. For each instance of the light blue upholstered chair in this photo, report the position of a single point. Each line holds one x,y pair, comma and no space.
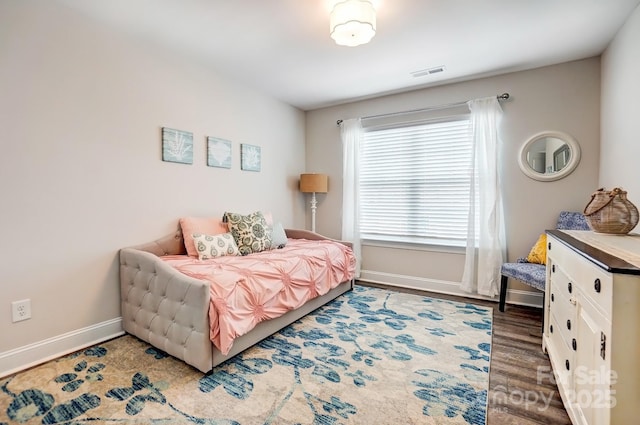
533,274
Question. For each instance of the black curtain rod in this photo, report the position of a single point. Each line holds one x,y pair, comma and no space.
503,96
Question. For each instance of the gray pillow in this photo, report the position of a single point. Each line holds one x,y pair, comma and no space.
278,236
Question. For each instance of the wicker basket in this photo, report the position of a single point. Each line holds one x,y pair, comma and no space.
611,212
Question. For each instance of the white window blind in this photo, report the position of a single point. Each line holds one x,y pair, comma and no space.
414,183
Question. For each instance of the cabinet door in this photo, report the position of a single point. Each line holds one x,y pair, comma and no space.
591,377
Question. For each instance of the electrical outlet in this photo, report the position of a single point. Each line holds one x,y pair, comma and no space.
21,310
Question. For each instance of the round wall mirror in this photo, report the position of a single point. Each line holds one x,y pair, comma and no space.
550,155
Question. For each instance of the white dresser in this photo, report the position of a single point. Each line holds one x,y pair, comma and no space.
592,325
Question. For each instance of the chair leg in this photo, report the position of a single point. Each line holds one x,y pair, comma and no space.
503,292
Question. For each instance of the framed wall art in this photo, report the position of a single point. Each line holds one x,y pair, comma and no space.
218,152
250,157
177,146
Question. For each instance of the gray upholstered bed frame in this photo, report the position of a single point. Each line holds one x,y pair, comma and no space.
170,310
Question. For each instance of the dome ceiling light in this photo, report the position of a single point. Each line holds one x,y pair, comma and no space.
352,22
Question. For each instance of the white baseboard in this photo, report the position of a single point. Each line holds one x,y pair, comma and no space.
21,358
514,296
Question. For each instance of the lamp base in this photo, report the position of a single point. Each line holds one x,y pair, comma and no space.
314,207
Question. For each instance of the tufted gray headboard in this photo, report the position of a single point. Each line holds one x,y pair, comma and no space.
172,244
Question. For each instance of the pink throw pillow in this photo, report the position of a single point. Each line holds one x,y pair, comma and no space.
202,225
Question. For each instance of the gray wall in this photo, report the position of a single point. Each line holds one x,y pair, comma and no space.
81,175
81,108
620,134
564,97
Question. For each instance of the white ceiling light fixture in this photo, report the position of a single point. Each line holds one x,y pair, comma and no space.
352,22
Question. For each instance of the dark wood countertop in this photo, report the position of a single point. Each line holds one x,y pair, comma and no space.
600,258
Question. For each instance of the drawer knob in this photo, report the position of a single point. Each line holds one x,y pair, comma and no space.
549,246
553,298
574,344
569,324
551,328
597,285
553,268
570,287
567,365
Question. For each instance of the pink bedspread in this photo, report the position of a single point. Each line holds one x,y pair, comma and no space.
245,290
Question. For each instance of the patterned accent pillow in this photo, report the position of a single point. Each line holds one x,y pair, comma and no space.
209,246
278,236
201,225
538,253
251,232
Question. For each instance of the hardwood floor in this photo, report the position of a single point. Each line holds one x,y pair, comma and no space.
521,388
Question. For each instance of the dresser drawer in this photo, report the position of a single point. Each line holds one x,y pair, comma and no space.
563,310
596,285
578,273
564,355
562,286
565,323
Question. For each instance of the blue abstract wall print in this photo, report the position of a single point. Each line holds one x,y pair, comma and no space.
250,157
218,152
177,146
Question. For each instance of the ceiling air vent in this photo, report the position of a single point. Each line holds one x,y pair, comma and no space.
430,71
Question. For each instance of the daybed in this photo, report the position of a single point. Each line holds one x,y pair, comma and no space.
167,300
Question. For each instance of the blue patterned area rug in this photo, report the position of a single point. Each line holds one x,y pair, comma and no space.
370,357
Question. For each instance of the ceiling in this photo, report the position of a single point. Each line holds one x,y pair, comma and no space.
283,48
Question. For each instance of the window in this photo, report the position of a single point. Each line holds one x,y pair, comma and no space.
414,182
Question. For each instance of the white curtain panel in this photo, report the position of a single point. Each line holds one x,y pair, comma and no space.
485,256
352,134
